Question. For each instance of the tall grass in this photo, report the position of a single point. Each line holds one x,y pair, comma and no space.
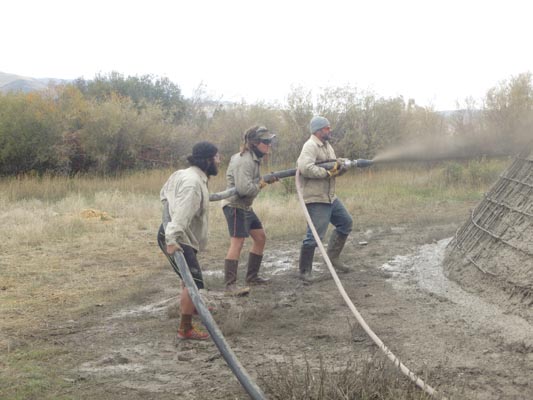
52,188
57,264
37,210
446,179
41,224
378,196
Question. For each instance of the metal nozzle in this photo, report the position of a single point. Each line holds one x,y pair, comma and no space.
363,163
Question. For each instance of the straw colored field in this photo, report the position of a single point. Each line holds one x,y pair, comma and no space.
73,246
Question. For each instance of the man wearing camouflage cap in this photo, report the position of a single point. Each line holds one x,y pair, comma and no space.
318,186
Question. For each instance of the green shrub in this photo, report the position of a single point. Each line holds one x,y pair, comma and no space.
481,172
289,185
453,173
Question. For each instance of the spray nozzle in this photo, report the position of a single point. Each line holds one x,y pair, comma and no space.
360,163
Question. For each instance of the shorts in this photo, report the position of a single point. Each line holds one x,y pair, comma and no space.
190,257
241,222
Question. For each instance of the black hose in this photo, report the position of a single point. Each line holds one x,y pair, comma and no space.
238,370
286,174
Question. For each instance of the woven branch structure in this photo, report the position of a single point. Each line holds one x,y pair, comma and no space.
494,248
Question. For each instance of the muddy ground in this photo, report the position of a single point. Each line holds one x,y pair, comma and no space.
470,349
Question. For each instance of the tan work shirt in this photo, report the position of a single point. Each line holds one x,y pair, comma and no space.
187,196
316,184
243,174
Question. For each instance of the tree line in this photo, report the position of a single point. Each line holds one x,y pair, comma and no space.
115,123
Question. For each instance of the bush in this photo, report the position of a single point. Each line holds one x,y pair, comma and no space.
289,185
481,172
29,133
453,174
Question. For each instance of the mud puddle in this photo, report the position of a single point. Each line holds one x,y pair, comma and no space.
423,270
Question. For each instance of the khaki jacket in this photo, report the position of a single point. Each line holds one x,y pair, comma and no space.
243,174
186,197
316,184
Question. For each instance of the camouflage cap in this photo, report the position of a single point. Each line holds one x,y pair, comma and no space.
258,134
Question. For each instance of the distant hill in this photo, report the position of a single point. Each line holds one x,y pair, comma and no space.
18,83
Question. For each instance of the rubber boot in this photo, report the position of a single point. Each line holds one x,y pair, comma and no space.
335,246
306,263
230,279
254,263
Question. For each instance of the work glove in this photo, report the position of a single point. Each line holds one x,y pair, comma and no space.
343,168
336,170
172,248
262,183
271,179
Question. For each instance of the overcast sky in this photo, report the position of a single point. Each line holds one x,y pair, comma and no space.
436,52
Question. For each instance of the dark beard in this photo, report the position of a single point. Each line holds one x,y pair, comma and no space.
258,152
212,169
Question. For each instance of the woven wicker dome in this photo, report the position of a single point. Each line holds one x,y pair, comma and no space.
492,253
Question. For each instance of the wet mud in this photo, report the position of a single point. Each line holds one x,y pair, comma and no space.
468,347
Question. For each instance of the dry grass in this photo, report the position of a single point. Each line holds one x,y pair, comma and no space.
54,188
236,315
378,197
53,256
373,379
57,263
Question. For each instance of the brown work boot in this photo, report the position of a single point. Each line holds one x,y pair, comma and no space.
335,246
254,263
230,279
192,334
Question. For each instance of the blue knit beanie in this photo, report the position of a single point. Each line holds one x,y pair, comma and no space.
318,123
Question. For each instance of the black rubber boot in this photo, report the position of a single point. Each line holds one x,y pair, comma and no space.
254,263
306,263
335,246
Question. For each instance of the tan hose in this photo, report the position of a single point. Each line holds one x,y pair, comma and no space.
419,382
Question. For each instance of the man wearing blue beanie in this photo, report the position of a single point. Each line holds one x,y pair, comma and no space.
318,186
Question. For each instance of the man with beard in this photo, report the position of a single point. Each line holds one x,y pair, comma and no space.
185,199
318,186
244,174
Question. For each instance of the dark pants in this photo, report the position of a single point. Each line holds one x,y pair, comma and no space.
322,214
190,257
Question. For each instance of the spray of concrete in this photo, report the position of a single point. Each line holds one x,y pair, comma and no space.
453,148
424,150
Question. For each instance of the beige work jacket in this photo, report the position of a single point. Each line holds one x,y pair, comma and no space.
187,197
316,184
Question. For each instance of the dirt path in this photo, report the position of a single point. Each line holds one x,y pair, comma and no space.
470,349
